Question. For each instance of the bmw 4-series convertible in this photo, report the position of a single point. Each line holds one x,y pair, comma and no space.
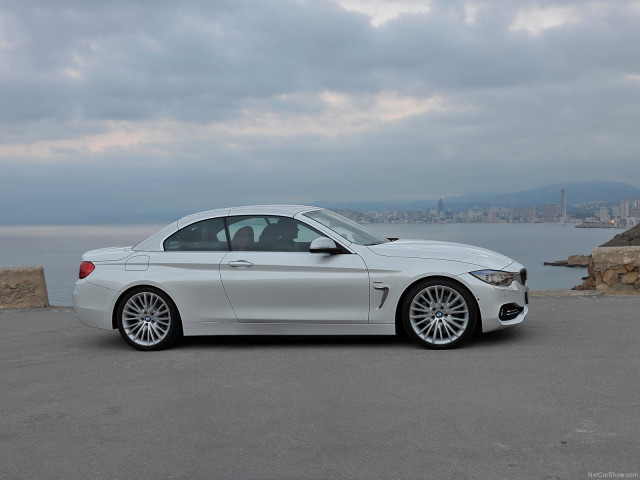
295,270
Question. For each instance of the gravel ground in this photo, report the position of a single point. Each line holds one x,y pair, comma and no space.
554,398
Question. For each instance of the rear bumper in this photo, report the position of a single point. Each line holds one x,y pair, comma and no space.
492,299
93,304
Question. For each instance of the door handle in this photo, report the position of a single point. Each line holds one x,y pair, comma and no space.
240,264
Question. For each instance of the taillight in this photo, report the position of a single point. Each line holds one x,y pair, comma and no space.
85,269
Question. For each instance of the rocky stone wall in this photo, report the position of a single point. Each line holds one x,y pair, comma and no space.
22,287
614,270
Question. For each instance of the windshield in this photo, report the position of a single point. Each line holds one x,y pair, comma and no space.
347,229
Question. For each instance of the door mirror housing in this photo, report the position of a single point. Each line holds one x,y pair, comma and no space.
324,245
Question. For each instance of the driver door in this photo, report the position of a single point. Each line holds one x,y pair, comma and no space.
274,282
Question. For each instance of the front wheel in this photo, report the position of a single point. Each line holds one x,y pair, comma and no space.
148,320
439,314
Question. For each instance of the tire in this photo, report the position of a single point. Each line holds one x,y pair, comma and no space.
148,320
439,314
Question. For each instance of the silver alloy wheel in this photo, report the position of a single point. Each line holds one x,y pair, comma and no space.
439,314
146,318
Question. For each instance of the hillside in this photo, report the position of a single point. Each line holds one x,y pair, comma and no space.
629,238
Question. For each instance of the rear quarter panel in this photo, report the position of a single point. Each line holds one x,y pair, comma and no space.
191,279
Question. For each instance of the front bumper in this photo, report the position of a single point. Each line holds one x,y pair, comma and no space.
495,301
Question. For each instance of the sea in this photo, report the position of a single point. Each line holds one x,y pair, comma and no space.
59,248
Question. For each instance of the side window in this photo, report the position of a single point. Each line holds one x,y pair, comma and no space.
245,232
270,234
206,236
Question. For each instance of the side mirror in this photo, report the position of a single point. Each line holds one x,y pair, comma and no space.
324,245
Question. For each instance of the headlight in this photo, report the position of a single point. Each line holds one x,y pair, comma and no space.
495,277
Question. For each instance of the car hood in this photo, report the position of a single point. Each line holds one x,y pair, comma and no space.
449,251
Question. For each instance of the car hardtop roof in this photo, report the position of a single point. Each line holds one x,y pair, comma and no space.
155,241
277,210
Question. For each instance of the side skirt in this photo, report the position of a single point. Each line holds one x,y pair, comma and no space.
288,329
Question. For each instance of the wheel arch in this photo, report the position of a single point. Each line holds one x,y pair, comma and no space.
398,318
123,295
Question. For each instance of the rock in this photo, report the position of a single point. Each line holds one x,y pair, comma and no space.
573,261
22,287
579,261
591,268
610,277
588,284
629,278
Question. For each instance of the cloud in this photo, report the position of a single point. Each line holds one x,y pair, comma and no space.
314,99
382,11
535,19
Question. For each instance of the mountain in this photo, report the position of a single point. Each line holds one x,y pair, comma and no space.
577,193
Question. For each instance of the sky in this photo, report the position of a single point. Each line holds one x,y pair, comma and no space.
137,107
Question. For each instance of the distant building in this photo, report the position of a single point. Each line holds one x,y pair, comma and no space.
440,208
604,214
549,212
528,214
563,205
624,207
616,212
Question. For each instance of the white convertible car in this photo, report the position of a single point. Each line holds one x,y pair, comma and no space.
295,270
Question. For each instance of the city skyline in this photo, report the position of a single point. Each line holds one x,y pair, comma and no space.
626,214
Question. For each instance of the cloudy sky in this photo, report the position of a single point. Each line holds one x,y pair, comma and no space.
149,106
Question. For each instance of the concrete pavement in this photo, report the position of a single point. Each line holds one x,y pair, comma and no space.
557,397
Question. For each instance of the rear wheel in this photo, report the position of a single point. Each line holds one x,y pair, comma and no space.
439,314
148,320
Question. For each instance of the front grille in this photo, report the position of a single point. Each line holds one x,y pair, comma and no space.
510,311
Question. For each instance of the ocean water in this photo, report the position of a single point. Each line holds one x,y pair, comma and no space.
59,248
